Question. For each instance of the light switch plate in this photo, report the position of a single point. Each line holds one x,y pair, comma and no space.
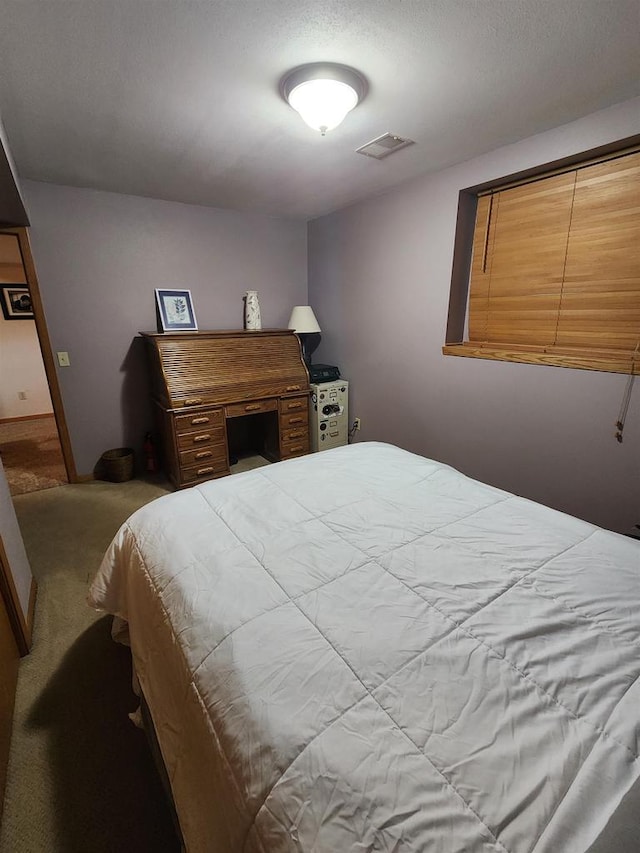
63,359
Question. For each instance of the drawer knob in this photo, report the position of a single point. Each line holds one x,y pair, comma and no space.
204,454
298,433
295,448
200,420
207,470
204,437
252,408
294,406
295,420
194,401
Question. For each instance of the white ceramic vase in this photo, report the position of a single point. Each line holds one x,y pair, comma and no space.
252,311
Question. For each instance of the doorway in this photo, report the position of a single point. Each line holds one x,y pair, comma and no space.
34,442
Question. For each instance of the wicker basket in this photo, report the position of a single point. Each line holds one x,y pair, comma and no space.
117,464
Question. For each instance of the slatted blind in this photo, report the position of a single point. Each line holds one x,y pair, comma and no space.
600,304
556,262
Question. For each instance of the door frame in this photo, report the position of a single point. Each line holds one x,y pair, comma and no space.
45,348
21,623
9,662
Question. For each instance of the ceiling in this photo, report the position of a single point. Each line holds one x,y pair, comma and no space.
179,100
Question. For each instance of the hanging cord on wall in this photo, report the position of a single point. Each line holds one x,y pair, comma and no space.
626,397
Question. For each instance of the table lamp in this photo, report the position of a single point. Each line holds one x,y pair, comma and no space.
304,324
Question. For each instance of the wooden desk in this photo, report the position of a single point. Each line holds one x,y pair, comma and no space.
200,380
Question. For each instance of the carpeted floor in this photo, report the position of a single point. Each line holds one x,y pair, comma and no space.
31,455
80,779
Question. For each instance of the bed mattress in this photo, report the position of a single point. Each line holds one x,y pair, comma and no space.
365,650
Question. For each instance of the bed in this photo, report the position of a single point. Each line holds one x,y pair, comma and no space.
365,650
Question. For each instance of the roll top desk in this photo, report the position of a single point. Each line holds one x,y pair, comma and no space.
201,381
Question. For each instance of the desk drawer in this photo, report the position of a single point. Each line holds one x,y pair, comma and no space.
294,435
201,421
294,420
289,405
208,469
202,438
294,442
296,447
212,454
251,407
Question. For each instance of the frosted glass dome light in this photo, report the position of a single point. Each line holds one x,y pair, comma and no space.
323,104
323,93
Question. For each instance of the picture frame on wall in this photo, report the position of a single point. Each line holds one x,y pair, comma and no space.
16,302
175,311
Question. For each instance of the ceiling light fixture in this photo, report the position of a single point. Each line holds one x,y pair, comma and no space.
323,93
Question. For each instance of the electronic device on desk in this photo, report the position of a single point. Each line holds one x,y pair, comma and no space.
319,373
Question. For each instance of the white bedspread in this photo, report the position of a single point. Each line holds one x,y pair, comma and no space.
364,650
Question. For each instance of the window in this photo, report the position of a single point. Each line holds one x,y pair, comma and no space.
555,269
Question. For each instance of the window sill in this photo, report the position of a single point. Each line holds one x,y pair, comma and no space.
608,361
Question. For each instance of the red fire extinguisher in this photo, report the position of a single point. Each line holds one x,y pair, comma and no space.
150,459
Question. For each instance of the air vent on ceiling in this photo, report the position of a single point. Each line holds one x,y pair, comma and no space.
383,146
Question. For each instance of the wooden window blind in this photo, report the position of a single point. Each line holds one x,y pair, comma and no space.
555,271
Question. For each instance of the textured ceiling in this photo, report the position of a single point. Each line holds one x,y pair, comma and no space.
179,99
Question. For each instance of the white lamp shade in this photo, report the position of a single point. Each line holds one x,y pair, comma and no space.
323,104
303,320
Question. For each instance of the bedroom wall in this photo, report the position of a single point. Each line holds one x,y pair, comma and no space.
12,210
12,213
22,369
379,278
14,546
99,257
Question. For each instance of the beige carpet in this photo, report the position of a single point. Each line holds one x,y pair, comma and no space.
81,779
31,455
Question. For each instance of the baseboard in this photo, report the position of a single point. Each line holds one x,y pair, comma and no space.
84,478
27,418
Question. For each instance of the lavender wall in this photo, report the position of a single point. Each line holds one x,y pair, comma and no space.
18,562
22,370
12,211
99,257
379,278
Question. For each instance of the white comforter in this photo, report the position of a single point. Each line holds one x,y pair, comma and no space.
364,650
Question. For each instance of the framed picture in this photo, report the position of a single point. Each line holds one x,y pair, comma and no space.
16,302
175,311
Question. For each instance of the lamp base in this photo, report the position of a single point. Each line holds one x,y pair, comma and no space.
309,342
